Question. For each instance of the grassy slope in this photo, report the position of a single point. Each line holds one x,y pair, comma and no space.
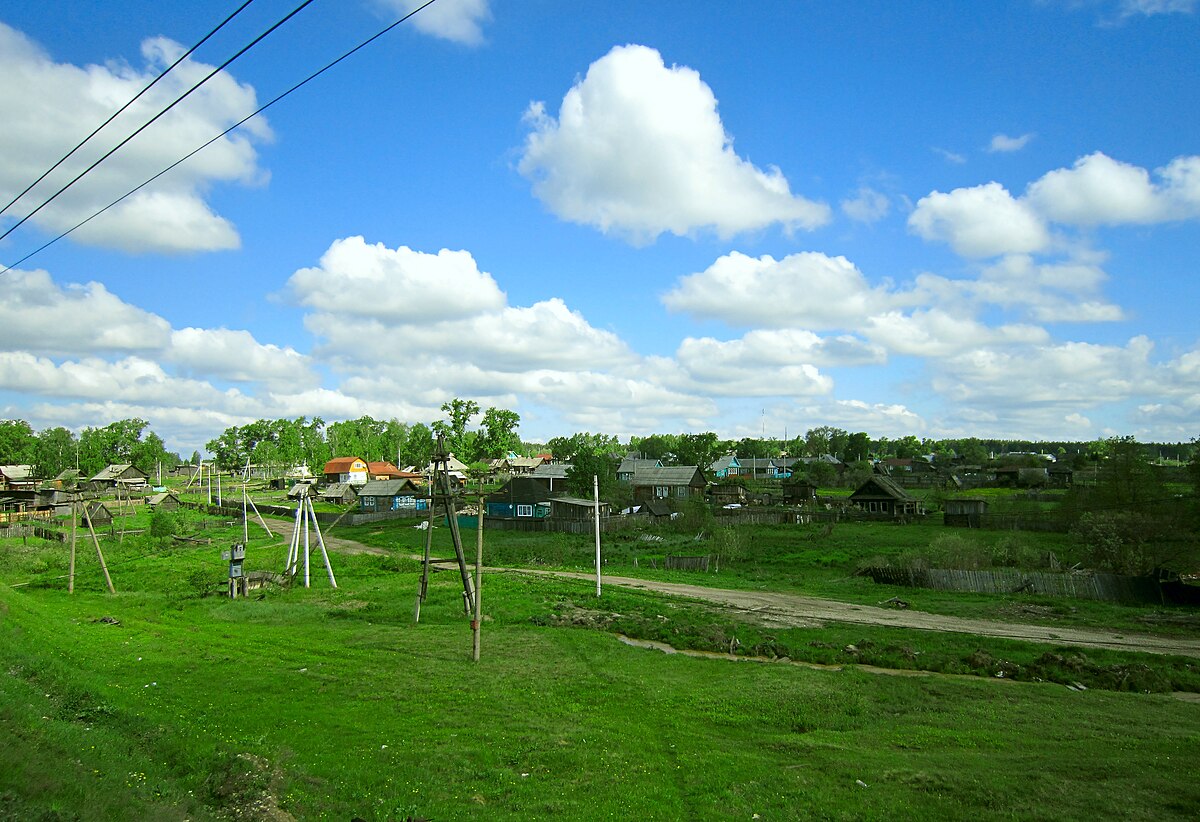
332,703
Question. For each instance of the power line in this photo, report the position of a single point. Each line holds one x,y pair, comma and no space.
122,109
236,125
156,117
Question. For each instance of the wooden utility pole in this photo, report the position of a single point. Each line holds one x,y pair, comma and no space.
596,517
440,492
74,523
103,567
476,623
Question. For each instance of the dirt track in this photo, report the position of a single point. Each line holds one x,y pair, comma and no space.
793,610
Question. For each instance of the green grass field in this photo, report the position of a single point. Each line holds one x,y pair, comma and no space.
167,702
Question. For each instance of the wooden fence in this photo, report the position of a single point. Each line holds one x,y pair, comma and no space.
39,514
31,529
1071,585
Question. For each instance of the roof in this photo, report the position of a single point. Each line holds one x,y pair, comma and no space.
17,472
556,470
390,488
115,471
631,464
724,463
885,487
340,465
156,499
383,467
525,462
675,475
587,503
336,489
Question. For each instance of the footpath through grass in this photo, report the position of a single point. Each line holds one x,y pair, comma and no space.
159,703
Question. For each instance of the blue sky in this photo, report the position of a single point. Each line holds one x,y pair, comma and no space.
958,219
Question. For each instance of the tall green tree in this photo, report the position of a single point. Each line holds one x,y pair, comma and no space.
459,441
697,449
18,443
498,433
55,452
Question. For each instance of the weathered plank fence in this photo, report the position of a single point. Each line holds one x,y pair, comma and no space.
1071,585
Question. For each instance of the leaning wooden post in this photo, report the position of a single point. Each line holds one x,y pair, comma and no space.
321,541
476,622
103,567
423,585
71,570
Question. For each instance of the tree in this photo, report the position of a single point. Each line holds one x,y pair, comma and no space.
459,441
654,447
499,435
858,447
55,452
18,443
417,449
697,449
587,463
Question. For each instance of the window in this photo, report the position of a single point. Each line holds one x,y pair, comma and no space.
661,491
524,510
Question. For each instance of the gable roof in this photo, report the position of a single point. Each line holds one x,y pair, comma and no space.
341,465
556,470
674,475
725,463
118,471
390,488
383,468
880,486
631,464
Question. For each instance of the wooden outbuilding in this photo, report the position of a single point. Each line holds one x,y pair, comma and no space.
883,496
166,501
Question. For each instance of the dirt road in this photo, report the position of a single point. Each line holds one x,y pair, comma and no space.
797,611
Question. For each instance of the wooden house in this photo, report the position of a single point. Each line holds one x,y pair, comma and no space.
346,469
384,470
17,478
126,476
799,492
726,466
883,496
166,501
552,475
576,509
520,498
630,465
338,493
731,494
677,484
378,496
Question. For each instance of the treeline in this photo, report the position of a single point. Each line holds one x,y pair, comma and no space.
283,443
55,450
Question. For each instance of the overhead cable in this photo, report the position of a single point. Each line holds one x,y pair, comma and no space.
122,109
203,146
155,118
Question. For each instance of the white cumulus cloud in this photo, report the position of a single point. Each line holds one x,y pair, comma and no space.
982,221
1003,144
44,103
639,149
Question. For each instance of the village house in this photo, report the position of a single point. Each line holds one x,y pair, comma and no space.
883,496
726,466
630,465
383,470
17,478
346,469
676,484
575,509
552,475
378,496
519,498
122,475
